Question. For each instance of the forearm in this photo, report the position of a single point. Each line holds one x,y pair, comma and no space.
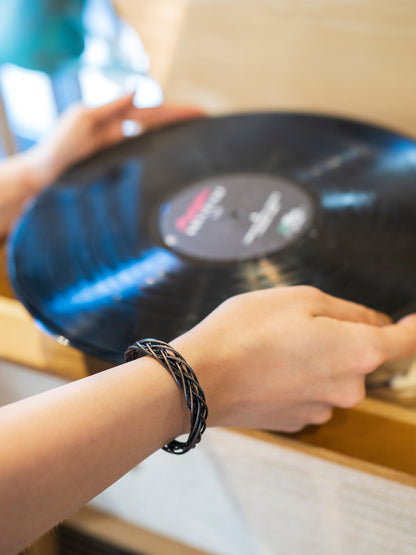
61,448
21,177
275,359
26,173
80,132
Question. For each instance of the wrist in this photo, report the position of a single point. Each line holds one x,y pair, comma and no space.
39,167
171,398
208,366
185,379
161,411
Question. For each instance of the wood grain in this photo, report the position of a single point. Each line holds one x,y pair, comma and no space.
352,58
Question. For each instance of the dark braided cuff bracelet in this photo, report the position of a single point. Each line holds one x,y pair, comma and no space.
185,377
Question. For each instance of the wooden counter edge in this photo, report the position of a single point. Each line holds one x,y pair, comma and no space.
126,535
320,451
23,343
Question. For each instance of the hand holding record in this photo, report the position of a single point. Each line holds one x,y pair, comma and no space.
83,131
80,132
158,231
282,358
274,359
172,224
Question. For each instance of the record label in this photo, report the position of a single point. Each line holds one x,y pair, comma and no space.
235,217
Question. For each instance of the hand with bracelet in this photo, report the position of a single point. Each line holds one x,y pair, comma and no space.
276,359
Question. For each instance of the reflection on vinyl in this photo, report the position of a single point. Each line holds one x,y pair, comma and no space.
148,238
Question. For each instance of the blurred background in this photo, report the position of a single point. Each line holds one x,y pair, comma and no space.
348,57
55,53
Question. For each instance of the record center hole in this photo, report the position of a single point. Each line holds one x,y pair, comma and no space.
236,213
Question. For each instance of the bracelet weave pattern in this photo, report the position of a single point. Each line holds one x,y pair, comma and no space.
186,379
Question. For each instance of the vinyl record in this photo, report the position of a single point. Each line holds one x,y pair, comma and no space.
146,239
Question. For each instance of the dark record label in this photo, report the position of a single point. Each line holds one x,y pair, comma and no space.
235,217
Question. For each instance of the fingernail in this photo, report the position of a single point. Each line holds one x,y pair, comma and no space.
383,320
408,320
131,128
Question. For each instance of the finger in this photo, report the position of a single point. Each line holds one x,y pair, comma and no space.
346,391
340,309
150,118
295,417
306,414
399,340
113,133
352,348
319,413
366,347
114,108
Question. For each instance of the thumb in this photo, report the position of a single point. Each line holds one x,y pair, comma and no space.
165,114
399,340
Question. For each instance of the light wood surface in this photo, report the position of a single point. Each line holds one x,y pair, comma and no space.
349,57
23,343
296,500
126,536
374,437
296,443
375,432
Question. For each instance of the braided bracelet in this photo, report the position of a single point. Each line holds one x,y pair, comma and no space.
186,379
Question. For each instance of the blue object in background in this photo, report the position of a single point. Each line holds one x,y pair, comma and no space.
43,35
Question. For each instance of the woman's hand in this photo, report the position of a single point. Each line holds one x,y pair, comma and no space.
283,358
273,359
82,131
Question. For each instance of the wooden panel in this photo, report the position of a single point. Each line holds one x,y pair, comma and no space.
374,437
295,501
354,58
372,465
127,536
5,286
46,545
375,432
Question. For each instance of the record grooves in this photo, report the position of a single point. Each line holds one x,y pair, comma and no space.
148,238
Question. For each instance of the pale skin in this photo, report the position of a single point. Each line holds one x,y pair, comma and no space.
80,132
276,359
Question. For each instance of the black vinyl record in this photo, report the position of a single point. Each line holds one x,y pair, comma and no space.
144,240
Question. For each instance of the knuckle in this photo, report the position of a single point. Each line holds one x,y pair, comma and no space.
234,305
80,115
307,292
352,396
88,117
77,110
322,416
236,300
293,428
366,315
370,359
